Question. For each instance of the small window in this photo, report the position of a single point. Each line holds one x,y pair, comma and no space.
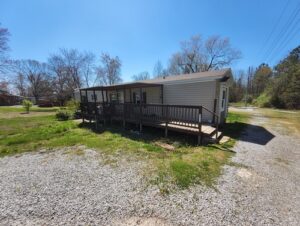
223,99
113,97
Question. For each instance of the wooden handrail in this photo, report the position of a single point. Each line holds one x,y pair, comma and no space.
213,113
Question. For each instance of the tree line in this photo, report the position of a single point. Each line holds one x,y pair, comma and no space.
70,69
270,87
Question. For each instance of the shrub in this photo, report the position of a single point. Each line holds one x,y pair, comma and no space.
27,104
264,100
248,99
73,106
63,115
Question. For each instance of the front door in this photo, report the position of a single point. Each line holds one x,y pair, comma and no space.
223,102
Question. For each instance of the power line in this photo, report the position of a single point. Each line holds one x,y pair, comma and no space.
283,42
274,27
297,31
283,31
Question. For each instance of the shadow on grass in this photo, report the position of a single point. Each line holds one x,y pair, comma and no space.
148,135
247,132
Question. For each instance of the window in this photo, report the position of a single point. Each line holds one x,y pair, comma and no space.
113,97
136,98
223,99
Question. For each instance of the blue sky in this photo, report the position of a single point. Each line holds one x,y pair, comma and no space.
142,32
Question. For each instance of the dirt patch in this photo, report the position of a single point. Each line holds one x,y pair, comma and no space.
165,146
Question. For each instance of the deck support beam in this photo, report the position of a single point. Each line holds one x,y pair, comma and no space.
124,108
88,107
96,112
162,94
167,121
200,134
141,96
103,115
81,106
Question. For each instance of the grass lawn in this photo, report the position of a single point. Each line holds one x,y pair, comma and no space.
188,164
289,120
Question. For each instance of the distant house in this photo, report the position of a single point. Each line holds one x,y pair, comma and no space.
188,100
7,99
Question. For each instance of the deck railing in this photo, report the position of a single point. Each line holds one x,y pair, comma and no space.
180,116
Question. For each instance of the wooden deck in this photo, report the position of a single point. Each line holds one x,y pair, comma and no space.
180,118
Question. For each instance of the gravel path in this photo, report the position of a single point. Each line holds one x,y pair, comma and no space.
61,188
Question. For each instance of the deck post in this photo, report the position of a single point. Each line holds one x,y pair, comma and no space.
162,94
124,108
106,96
87,103
217,129
200,135
141,96
215,108
95,102
167,120
102,94
81,106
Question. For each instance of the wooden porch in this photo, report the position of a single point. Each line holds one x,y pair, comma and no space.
185,119
181,118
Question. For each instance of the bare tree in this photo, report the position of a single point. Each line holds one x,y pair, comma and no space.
20,84
141,76
195,56
158,69
109,73
37,76
4,37
4,86
70,69
88,69
219,53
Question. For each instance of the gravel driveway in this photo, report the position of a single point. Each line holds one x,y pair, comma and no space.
61,188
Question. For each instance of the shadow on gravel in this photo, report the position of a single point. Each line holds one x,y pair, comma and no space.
247,132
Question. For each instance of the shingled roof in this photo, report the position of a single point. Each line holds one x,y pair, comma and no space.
216,74
222,75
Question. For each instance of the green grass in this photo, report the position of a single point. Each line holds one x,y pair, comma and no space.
33,109
235,123
289,121
189,164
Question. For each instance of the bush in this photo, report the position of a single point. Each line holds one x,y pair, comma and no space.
73,106
63,115
248,99
27,104
264,100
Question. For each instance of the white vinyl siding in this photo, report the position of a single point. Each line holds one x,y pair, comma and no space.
199,93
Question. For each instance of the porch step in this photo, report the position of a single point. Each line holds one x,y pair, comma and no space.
216,139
